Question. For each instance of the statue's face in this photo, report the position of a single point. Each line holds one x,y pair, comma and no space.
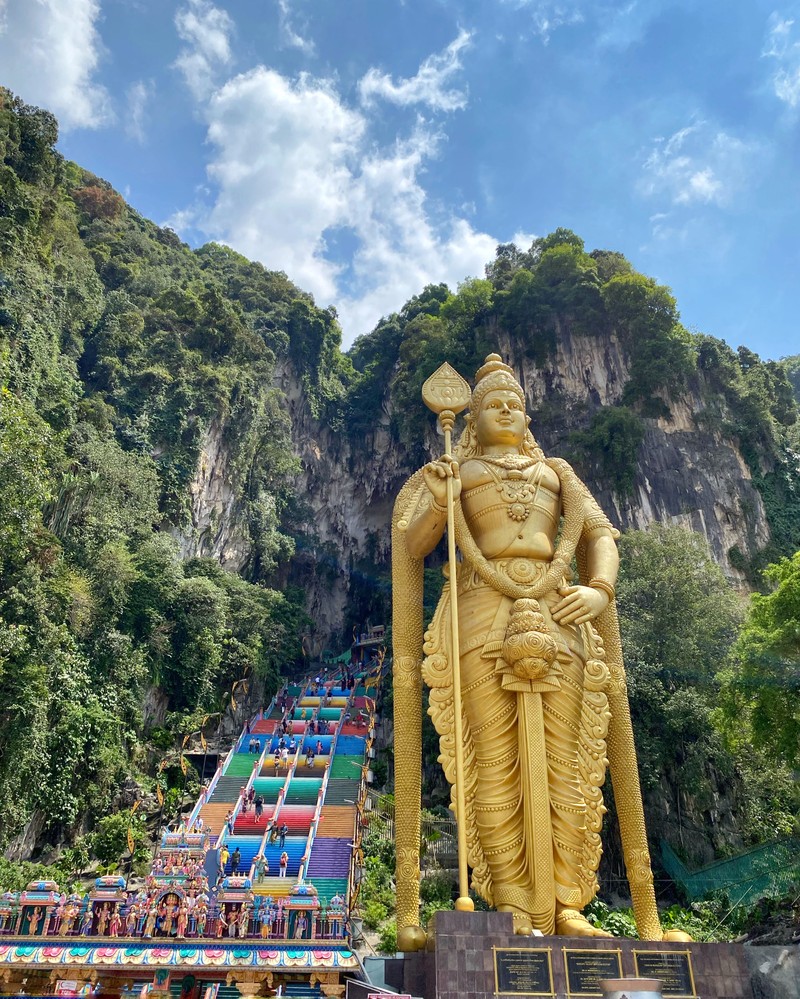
501,419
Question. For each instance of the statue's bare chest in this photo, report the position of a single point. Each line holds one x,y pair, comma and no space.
495,497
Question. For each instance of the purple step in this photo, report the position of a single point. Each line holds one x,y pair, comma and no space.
330,858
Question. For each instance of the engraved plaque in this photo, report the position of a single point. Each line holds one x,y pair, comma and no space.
519,972
587,968
673,967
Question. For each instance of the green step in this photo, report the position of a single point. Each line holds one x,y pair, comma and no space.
241,765
328,887
303,791
293,690
346,767
269,788
332,714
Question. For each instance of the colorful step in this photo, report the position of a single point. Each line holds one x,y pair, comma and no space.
337,821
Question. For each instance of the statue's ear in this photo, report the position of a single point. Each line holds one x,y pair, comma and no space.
528,420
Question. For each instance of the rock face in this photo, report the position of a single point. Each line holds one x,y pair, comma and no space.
775,971
686,474
217,529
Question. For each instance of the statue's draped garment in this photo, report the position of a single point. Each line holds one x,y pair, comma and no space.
535,747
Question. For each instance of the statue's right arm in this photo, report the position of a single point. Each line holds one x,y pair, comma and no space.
430,517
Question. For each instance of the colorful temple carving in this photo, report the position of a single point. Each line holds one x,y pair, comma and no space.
254,889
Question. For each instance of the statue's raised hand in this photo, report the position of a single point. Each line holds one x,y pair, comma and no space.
579,604
436,474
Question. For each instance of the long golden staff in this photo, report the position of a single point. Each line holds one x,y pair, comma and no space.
446,394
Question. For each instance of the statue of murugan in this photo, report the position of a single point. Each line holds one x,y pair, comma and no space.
544,703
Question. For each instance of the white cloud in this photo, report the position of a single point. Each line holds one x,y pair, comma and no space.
206,31
138,95
783,47
289,36
549,15
292,165
283,162
50,51
401,250
698,165
428,86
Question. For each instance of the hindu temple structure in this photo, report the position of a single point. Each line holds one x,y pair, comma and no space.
251,895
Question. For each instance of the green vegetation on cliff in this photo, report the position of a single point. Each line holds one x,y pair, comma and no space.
130,363
121,351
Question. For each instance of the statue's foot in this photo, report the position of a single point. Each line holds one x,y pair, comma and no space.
523,927
571,923
677,936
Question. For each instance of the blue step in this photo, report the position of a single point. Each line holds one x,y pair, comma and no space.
310,742
248,848
351,745
295,846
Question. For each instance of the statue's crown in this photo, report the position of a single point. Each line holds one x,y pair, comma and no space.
494,373
493,362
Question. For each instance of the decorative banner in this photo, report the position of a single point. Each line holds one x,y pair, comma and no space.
131,843
159,796
135,805
161,766
184,767
186,738
203,742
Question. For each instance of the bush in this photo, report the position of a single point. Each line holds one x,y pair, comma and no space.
387,941
373,914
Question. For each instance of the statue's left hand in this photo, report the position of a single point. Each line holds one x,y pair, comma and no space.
579,604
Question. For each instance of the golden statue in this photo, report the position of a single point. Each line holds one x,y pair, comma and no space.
541,686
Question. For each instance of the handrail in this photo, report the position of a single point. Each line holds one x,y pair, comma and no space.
281,794
312,829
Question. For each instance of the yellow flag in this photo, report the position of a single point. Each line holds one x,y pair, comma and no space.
131,843
135,805
159,795
161,766
233,702
186,739
184,767
203,742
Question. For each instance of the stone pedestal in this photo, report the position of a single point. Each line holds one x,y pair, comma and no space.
475,955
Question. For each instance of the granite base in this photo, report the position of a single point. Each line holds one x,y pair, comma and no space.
460,962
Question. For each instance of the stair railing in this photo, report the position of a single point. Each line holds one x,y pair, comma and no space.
281,794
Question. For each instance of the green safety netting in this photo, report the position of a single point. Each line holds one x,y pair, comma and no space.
766,870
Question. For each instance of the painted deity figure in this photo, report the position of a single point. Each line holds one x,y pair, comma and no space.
535,673
150,922
102,920
183,921
201,915
33,918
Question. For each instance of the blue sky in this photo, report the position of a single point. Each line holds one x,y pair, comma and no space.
368,147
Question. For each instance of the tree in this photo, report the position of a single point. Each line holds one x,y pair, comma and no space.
761,683
678,617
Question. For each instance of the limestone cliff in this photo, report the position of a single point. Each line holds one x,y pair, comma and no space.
215,526
686,473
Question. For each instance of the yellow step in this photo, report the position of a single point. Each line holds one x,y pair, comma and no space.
277,887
